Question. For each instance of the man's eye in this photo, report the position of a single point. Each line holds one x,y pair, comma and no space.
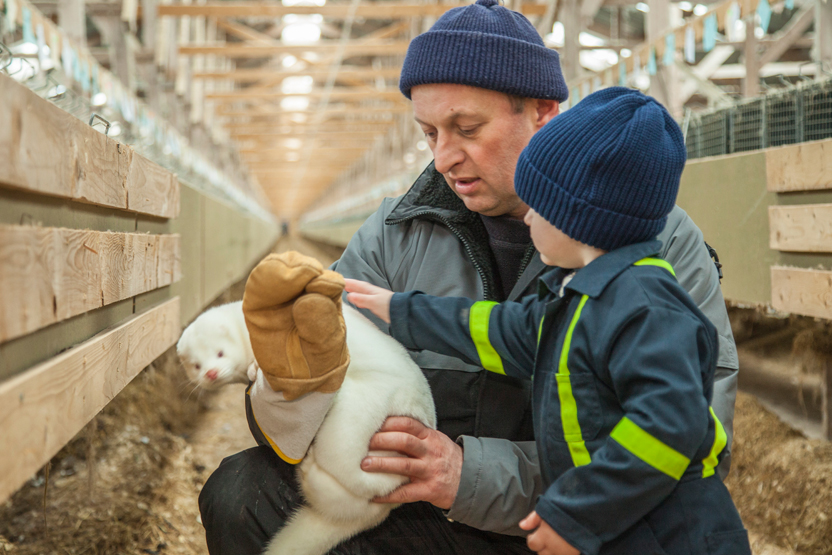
469,131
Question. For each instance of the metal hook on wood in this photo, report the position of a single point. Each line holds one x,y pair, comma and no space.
101,118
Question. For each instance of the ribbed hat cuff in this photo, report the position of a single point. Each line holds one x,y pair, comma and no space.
591,225
483,60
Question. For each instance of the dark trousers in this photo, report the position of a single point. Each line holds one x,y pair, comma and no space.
252,494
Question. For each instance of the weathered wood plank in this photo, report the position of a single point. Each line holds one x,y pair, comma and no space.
802,291
804,228
48,151
800,167
43,408
51,274
151,189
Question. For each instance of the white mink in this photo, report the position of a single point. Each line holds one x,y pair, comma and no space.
381,381
215,349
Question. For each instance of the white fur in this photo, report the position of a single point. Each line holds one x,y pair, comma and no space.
382,380
217,331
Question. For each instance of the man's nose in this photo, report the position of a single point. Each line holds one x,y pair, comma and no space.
446,154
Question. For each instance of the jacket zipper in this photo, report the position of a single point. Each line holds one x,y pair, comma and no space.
486,289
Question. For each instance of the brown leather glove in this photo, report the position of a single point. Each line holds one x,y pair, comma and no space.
292,308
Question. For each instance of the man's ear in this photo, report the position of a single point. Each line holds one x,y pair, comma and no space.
546,110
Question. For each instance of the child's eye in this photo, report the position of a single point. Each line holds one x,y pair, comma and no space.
219,355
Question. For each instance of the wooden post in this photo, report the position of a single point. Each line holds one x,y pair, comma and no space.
571,52
122,63
72,19
822,50
751,84
663,85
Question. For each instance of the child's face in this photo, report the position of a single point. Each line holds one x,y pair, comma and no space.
555,247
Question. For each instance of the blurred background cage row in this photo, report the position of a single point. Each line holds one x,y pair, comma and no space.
796,114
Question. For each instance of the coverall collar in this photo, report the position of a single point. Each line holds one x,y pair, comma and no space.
594,278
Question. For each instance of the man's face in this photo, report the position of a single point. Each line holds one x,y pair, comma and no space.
476,137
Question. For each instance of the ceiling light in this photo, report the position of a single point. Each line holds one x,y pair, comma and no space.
293,144
99,99
685,6
299,84
588,39
626,52
700,9
289,61
301,33
294,103
421,145
642,7
303,2
298,118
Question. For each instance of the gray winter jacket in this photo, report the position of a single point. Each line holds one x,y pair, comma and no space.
427,240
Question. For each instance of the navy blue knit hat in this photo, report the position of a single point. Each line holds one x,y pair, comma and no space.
484,45
607,171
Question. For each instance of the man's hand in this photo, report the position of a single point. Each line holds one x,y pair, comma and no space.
373,298
431,460
544,540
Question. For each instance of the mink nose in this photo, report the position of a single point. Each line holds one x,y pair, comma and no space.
211,375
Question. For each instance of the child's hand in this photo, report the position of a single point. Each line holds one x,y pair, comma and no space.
544,540
365,295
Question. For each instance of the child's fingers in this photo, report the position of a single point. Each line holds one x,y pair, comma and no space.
358,286
530,522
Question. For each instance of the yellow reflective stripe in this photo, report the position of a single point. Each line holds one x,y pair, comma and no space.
656,262
568,406
274,446
540,330
720,441
654,452
478,325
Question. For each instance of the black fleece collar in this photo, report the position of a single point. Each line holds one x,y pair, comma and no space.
430,198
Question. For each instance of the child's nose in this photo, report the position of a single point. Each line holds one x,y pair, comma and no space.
211,375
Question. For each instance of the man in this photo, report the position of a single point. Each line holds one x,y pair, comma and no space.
482,83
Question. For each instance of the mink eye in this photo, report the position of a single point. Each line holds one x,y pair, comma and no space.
197,366
219,355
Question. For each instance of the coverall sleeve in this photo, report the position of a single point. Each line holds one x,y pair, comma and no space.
656,373
500,337
684,248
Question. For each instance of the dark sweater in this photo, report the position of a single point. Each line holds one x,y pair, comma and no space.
508,238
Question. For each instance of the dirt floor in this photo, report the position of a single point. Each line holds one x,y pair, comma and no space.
128,483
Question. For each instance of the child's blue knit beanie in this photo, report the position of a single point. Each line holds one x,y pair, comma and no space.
484,45
607,171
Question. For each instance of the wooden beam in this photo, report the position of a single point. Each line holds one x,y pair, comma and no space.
802,291
43,408
46,150
355,48
342,110
800,167
751,59
375,10
788,35
50,274
253,75
802,228
254,126
245,32
340,93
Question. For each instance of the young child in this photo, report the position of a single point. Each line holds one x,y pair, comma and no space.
622,359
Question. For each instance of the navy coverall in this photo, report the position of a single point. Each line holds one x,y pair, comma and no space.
622,363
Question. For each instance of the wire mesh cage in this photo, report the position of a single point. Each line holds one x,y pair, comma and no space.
817,112
786,116
748,130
